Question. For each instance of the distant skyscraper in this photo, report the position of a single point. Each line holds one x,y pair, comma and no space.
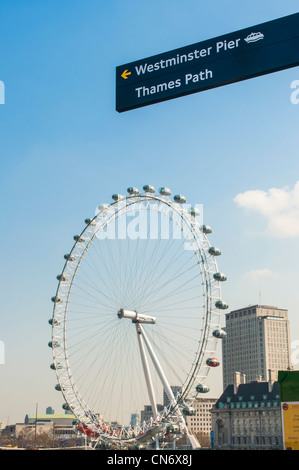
134,419
258,340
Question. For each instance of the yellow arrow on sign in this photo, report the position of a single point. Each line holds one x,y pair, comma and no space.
125,74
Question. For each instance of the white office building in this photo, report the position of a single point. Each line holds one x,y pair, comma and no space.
258,340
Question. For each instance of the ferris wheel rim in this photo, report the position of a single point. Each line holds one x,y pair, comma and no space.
131,200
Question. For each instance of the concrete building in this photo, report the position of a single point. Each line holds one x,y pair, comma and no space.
176,390
38,428
247,416
61,424
201,423
258,339
146,414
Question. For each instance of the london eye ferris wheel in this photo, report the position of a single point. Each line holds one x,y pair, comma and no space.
137,316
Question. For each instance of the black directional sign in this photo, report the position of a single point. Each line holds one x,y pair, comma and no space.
251,52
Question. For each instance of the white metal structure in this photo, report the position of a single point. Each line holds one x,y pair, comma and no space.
135,313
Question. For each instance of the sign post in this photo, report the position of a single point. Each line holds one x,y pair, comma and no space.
248,53
289,399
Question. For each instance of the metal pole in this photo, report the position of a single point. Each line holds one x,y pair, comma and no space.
147,372
158,368
35,425
167,387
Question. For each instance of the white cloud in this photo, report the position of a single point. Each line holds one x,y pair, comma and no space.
280,207
257,275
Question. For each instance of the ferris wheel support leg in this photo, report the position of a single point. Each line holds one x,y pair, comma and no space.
157,442
158,368
147,373
193,441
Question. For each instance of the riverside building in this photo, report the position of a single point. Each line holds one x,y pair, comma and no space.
247,416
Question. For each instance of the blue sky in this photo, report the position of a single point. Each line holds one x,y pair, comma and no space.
64,149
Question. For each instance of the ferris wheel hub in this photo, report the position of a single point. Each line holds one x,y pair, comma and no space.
135,316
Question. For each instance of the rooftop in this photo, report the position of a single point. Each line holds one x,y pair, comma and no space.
253,393
269,307
63,419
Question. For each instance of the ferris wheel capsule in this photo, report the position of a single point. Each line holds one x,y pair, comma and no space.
89,221
148,188
66,407
214,251
117,197
55,366
69,257
212,362
54,344
172,429
164,191
221,304
200,388
189,411
133,191
206,229
53,321
79,239
194,211
180,199
103,207
219,333
56,299
220,277
59,388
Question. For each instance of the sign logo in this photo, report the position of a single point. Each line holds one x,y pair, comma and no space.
253,37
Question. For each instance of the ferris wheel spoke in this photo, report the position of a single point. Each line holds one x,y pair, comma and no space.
105,271
150,272
169,349
175,306
87,296
95,290
167,269
151,300
92,294
113,373
98,377
158,275
79,332
105,361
